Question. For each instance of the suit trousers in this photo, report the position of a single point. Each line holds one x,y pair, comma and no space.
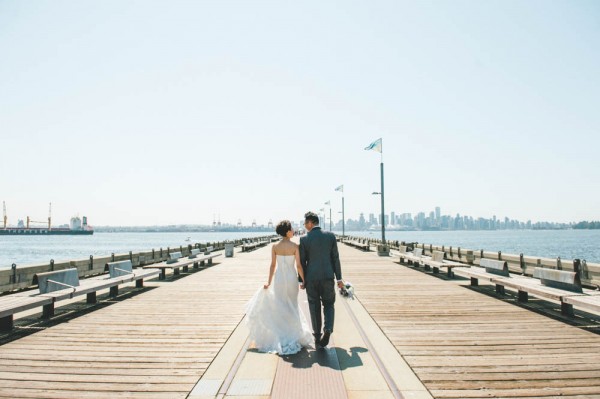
321,293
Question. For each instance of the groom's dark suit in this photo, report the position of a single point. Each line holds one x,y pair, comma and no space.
321,263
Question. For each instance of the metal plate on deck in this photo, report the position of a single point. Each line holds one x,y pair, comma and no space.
242,387
206,388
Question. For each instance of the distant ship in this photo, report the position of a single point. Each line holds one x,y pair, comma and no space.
77,227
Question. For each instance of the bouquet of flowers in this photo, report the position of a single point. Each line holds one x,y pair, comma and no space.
347,290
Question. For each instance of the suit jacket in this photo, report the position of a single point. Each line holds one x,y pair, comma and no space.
319,256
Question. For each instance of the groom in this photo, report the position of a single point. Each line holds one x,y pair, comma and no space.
321,263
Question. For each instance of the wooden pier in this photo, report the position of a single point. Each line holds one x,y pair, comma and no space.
409,334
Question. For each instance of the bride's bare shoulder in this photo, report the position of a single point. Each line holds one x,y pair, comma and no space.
285,247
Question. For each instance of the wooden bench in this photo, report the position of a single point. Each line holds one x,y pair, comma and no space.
414,258
359,244
194,253
558,285
124,269
174,257
251,245
65,284
12,304
437,261
208,256
177,262
57,285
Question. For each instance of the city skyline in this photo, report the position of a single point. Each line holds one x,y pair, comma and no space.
419,219
435,220
422,220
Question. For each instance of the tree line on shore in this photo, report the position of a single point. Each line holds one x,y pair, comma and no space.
587,225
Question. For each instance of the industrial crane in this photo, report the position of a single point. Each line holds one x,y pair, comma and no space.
5,218
49,219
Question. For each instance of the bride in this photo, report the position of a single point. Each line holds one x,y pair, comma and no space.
274,318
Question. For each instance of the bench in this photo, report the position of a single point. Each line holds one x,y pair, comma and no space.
250,245
174,257
176,262
11,304
414,258
359,244
195,252
124,269
437,261
558,285
57,285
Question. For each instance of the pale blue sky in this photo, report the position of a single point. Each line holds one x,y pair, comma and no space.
148,112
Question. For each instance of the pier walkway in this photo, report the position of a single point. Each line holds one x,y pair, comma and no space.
408,335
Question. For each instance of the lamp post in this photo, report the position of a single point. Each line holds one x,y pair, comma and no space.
383,249
329,203
341,188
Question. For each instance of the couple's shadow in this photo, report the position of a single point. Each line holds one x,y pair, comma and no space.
335,358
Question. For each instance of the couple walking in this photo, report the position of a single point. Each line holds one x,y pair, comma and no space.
274,317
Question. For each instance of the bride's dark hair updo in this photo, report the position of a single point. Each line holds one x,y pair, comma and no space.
283,227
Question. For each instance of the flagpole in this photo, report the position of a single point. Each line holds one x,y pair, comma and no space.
341,188
382,200
383,249
382,209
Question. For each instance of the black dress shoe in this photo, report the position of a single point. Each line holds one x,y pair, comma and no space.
325,339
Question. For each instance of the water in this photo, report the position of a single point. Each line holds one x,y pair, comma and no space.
568,244
40,249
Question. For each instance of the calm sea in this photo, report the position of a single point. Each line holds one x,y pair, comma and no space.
32,250
568,244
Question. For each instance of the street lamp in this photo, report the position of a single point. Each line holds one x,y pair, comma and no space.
329,203
323,213
341,188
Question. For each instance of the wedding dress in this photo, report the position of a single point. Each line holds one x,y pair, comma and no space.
274,318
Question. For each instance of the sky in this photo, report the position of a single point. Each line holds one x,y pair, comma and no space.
182,112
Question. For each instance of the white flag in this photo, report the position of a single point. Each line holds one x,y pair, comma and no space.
340,188
376,145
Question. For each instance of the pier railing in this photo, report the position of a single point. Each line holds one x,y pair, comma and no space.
21,277
517,263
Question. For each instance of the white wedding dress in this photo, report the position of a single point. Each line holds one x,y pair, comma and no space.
273,316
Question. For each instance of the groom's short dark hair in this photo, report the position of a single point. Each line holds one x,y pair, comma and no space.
311,217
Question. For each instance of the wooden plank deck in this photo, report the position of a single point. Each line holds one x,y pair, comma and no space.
154,345
460,342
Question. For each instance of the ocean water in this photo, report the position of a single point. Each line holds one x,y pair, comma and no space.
568,244
40,249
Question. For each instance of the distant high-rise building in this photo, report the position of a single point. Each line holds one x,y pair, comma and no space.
393,218
438,213
372,219
362,223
